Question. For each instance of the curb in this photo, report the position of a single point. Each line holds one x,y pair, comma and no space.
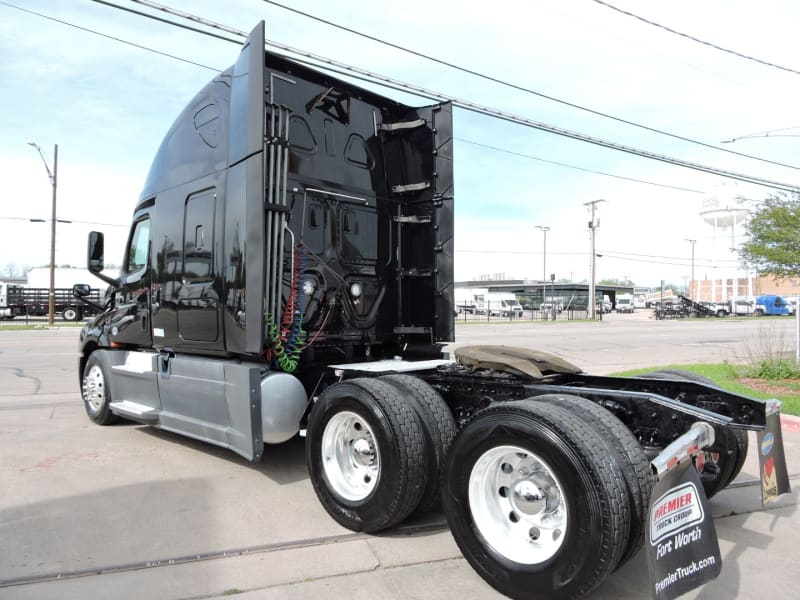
790,423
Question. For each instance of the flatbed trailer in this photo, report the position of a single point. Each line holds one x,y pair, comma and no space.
35,302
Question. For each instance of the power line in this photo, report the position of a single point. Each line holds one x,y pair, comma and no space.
110,37
514,85
650,261
679,263
526,252
166,21
709,260
560,164
612,254
364,75
31,220
664,55
698,40
329,63
381,80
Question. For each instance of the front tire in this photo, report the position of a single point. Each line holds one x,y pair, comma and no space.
96,392
366,454
533,502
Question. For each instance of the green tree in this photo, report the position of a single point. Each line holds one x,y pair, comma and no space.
613,281
773,237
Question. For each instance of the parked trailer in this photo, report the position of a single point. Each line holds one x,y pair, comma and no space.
290,268
703,309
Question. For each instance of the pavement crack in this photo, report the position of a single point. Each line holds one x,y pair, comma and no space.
37,384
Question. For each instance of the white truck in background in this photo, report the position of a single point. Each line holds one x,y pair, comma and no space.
499,304
481,301
625,303
466,299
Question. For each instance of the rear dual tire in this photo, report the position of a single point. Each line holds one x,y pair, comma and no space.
438,428
533,502
366,454
376,450
719,468
629,456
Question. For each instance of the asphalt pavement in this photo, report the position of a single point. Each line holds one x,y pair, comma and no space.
128,511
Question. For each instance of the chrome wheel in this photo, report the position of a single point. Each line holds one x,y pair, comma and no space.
350,457
518,504
94,388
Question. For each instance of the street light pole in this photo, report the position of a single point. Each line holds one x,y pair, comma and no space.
593,225
54,183
544,230
692,295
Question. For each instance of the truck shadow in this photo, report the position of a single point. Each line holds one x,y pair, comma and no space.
282,463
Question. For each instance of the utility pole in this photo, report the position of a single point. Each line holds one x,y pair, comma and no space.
593,225
544,230
691,293
53,182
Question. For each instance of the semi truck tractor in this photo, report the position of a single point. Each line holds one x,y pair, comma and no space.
289,270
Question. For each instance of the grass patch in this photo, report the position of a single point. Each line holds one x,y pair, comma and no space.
39,325
739,380
461,321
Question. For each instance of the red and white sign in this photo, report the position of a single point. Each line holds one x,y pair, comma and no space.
679,508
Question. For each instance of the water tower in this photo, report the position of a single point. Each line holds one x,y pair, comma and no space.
725,210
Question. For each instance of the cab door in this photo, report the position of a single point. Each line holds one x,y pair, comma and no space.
130,321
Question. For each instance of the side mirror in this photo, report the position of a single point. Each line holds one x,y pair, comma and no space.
81,290
95,260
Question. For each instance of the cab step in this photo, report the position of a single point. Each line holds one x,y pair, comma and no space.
135,411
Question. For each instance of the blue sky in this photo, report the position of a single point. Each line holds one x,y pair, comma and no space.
108,105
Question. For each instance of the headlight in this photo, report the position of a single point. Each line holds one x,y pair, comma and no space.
355,289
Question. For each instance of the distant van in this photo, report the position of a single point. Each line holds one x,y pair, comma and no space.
770,304
742,307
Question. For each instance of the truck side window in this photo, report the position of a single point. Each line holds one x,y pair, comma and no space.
137,250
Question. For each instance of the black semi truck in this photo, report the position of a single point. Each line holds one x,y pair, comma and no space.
290,270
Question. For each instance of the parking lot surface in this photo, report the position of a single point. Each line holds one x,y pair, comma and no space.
129,511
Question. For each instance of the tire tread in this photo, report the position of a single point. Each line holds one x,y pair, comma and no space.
607,487
439,428
630,457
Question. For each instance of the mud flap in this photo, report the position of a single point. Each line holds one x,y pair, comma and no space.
771,456
682,547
